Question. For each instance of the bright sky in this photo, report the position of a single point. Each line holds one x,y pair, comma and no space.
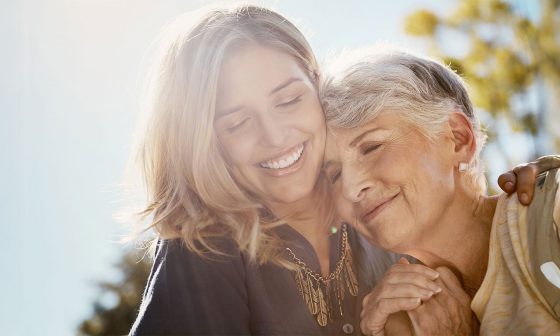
68,103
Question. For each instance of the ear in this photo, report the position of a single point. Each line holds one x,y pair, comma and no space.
462,135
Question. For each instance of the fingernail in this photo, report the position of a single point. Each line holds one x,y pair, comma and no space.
435,288
434,275
429,294
524,198
509,185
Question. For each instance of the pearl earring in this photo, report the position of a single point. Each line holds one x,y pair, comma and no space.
463,167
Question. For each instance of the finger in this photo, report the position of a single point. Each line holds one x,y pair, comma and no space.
412,278
508,182
373,320
452,288
449,279
548,162
414,268
427,314
526,176
390,291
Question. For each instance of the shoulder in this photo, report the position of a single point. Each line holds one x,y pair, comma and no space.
175,265
175,251
186,291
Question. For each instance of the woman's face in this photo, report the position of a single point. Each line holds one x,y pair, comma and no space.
390,181
270,124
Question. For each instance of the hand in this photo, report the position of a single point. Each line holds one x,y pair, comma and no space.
523,177
448,312
402,288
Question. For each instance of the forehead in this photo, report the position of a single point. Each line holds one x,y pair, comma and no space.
257,66
343,136
341,140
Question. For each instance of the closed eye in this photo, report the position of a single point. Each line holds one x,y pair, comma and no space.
237,125
370,148
290,102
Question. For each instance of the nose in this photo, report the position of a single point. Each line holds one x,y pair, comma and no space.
355,182
273,131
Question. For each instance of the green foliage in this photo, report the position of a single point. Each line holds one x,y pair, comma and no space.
118,319
421,23
509,53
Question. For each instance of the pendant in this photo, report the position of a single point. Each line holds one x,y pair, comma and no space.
321,294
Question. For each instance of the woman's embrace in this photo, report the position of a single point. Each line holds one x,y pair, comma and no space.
248,238
403,155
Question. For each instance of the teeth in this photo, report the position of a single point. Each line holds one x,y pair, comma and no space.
285,162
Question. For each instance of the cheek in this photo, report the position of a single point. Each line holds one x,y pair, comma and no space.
313,118
435,173
237,150
430,190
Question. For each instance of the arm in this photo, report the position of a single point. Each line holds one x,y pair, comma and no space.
522,178
188,294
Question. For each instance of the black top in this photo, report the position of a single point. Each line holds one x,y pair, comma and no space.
190,295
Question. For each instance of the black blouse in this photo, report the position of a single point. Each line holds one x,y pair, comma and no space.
191,295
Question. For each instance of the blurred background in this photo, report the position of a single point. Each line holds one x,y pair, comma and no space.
70,79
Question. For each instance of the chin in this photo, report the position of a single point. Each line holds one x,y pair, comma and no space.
292,195
385,237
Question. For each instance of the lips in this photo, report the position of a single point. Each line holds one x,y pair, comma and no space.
373,209
284,160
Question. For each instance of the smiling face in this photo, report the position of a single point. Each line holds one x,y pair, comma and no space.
390,181
270,124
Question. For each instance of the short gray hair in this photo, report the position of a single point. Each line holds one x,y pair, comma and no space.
423,91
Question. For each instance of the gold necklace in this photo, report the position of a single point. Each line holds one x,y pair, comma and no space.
319,292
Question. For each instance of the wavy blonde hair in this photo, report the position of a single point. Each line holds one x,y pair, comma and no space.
191,194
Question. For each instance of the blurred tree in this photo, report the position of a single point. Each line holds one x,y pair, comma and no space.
117,316
511,61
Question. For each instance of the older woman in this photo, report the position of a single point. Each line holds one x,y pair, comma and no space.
403,155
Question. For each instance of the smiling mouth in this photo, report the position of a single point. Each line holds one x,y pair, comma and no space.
286,160
376,209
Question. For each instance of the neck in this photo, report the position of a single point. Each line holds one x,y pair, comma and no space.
310,217
460,240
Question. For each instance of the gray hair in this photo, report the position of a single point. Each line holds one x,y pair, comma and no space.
423,91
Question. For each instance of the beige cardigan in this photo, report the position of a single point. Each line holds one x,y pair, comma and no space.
519,294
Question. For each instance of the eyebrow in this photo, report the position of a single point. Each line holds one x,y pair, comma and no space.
222,113
285,84
361,136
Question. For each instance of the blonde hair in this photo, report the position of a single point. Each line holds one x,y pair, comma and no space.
423,91
191,192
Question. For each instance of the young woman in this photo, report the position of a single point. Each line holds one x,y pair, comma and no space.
233,152
394,109
248,240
